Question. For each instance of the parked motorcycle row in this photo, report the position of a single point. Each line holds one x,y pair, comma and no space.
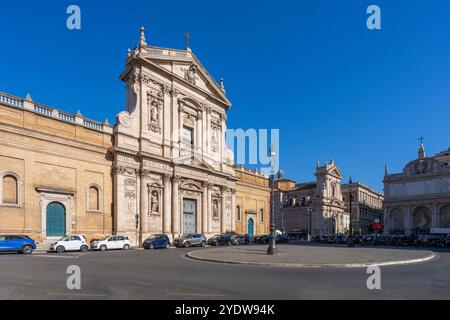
400,240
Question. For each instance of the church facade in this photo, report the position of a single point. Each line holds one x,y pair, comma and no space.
418,199
164,167
312,207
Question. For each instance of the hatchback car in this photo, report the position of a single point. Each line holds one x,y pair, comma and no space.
220,240
157,241
240,239
17,243
111,243
191,240
70,243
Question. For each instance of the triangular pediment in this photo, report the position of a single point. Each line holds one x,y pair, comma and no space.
183,65
335,172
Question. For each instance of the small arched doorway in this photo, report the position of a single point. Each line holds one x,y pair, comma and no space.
56,220
251,227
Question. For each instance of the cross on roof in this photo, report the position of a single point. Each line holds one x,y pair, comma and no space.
421,139
188,39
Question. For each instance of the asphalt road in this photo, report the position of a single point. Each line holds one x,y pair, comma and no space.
167,274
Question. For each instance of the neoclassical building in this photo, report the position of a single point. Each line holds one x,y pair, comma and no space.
163,167
317,205
418,199
367,206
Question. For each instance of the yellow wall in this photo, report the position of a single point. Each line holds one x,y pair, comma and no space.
49,153
252,195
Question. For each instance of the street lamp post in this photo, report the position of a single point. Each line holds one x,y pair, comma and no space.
309,214
272,250
137,227
350,236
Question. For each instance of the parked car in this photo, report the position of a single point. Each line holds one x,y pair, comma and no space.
111,243
264,239
157,241
219,240
190,240
70,243
281,238
240,239
17,243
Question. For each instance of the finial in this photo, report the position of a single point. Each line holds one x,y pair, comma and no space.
222,85
129,52
142,41
318,164
79,113
106,122
386,170
28,97
188,41
422,154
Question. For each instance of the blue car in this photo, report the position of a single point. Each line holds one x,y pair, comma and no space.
157,241
17,243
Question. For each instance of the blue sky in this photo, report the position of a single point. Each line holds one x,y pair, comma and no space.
310,68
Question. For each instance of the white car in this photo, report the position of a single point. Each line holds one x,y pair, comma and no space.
111,243
72,242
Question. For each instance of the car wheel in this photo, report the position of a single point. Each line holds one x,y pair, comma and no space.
126,247
151,247
203,244
187,244
103,248
60,249
229,243
168,246
27,249
84,248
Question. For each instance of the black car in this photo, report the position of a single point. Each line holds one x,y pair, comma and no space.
281,238
264,239
240,239
220,240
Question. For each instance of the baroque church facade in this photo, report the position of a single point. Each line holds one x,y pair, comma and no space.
164,167
312,207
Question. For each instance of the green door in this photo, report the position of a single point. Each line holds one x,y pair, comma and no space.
56,220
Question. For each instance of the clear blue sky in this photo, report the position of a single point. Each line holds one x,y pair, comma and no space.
310,68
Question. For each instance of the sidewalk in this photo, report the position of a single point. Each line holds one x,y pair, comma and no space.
297,256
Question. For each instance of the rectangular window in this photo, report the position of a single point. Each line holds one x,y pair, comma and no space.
187,136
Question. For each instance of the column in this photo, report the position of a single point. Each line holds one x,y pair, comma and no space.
205,207
143,210
167,222
408,220
435,216
175,206
209,208
385,221
223,226
233,210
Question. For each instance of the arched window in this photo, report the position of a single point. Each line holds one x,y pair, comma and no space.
261,214
238,213
94,198
10,189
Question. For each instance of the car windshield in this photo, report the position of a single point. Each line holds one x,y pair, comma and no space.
187,235
153,237
63,238
105,238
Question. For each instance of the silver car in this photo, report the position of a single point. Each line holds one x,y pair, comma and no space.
191,240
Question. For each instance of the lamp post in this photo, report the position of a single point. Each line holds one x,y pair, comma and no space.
272,250
350,236
309,214
137,226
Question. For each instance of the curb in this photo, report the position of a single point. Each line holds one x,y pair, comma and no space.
313,265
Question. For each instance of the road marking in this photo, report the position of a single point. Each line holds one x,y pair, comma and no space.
54,256
195,294
76,295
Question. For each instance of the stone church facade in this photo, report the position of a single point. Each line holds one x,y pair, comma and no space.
164,167
317,205
418,199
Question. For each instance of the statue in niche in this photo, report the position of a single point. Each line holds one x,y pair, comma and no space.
215,140
154,202
215,209
154,113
